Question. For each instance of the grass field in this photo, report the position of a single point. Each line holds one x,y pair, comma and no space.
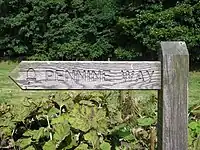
9,91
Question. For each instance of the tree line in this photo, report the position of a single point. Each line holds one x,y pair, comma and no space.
97,29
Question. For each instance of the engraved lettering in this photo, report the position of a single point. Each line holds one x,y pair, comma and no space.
86,75
60,75
103,76
80,75
91,75
69,75
128,75
30,75
150,75
131,75
75,75
140,76
49,74
124,74
97,75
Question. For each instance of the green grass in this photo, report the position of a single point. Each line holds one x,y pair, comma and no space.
194,88
9,91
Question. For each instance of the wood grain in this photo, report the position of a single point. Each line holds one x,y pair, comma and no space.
173,97
88,75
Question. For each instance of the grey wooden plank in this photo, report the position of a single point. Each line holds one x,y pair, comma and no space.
173,97
88,75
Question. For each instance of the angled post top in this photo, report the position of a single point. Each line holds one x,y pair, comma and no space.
174,48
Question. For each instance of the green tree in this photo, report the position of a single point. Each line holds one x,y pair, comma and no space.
140,35
57,29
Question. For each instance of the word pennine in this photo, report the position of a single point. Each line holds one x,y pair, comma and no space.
90,75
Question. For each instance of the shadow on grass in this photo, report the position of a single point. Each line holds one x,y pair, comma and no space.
195,67
12,60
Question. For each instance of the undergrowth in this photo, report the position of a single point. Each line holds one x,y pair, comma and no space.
86,121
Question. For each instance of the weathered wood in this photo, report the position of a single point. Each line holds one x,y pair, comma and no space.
88,75
173,97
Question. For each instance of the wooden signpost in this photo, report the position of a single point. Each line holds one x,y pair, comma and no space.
87,75
169,76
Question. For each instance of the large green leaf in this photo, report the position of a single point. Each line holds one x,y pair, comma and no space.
194,125
36,134
61,129
92,138
105,146
50,145
145,121
24,143
84,118
77,120
124,132
82,147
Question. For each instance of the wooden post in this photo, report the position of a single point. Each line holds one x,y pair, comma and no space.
173,97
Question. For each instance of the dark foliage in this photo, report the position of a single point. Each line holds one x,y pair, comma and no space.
96,30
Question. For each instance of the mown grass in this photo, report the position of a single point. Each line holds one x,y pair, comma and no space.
9,91
194,88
